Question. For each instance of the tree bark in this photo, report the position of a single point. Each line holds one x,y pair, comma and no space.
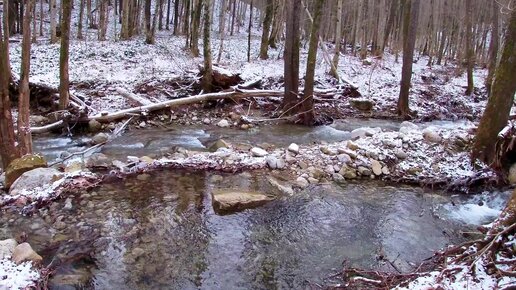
499,105
196,23
308,115
409,42
291,54
64,79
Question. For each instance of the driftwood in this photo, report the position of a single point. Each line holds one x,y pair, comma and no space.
235,94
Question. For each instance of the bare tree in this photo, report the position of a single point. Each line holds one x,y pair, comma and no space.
291,54
267,22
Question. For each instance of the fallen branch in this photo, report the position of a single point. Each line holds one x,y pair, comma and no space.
133,97
47,128
235,94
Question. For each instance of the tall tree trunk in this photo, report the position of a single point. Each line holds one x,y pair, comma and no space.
250,31
493,47
308,115
40,17
103,19
291,54
499,105
470,61
53,8
267,21
24,135
390,22
167,26
147,22
125,33
222,29
64,78
176,17
196,24
338,39
207,83
409,41
8,150
81,19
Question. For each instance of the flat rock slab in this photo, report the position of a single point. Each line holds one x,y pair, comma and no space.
226,202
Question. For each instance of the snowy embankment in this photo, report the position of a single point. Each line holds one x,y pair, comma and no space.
13,276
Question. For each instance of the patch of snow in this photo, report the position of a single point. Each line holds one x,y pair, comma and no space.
15,277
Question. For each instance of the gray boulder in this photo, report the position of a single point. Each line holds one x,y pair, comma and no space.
39,177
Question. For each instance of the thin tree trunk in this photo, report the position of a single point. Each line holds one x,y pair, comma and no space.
469,47
53,35
64,79
249,34
308,115
410,30
493,47
207,83
167,26
196,27
338,39
40,17
499,105
103,19
222,29
176,17
81,19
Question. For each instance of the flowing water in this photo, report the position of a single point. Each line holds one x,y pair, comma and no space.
159,231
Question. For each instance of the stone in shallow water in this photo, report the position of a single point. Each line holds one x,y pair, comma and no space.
39,177
225,202
258,152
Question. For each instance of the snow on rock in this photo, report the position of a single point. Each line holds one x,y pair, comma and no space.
13,276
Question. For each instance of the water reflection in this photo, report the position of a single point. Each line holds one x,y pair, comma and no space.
159,231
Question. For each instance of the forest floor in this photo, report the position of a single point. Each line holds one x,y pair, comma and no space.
418,154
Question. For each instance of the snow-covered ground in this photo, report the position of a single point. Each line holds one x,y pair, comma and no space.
97,68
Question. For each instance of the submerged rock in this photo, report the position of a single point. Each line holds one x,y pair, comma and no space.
21,165
24,252
99,138
94,126
221,143
39,177
284,188
98,160
233,201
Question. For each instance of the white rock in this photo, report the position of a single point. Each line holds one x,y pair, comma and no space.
364,132
294,148
223,123
376,167
275,163
258,152
37,178
344,158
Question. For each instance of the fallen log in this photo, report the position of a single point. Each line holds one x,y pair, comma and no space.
46,128
235,94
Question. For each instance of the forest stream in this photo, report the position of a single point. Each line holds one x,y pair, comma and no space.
159,230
